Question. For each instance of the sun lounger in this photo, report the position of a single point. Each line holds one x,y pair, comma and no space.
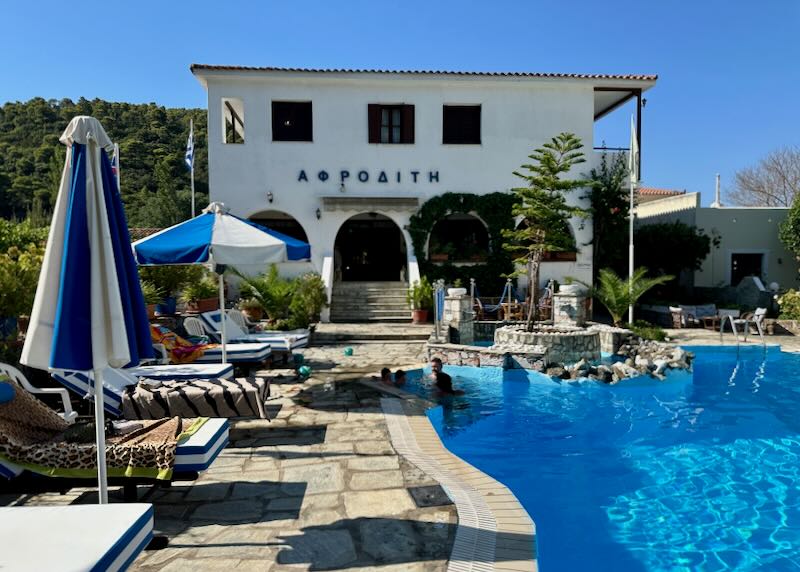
16,375
193,455
242,353
36,439
116,381
76,537
188,396
286,341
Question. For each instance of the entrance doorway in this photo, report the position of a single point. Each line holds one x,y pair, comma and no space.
745,264
370,248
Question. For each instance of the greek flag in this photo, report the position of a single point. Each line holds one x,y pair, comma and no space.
189,157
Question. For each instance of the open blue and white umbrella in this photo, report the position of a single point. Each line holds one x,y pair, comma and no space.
219,239
89,312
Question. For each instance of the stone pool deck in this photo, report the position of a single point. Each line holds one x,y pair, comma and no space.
702,337
328,483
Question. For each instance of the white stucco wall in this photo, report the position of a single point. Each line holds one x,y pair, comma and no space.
739,229
517,116
746,230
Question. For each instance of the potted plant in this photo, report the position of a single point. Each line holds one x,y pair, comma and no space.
170,280
252,309
272,291
152,296
201,295
420,298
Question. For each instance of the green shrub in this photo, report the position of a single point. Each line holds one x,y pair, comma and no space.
789,303
20,234
170,279
647,331
271,290
308,300
152,293
202,289
19,276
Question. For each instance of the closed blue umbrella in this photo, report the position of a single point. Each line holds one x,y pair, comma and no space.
219,238
89,312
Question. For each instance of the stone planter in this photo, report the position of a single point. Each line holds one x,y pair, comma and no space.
254,314
167,307
203,305
419,316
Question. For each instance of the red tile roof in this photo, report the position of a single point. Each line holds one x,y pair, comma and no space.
639,77
138,233
652,191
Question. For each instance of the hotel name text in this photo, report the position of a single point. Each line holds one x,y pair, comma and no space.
364,176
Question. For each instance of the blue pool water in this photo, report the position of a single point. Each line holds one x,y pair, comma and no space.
701,472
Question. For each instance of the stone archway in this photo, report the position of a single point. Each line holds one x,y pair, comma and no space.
370,247
459,237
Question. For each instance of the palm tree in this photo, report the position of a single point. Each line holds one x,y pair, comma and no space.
616,293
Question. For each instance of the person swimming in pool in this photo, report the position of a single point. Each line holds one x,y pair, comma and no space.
386,376
442,381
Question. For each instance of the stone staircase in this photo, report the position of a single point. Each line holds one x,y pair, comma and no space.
370,302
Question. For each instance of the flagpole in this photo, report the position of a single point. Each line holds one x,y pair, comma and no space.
633,177
630,252
116,160
191,134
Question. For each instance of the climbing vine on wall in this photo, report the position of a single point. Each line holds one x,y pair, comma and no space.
495,210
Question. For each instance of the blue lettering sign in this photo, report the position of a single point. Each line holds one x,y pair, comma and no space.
302,177
382,178
363,176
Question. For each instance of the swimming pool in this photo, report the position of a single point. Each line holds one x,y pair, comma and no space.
701,472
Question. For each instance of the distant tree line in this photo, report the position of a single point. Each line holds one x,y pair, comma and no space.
152,139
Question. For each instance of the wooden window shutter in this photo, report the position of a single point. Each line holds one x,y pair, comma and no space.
407,129
374,121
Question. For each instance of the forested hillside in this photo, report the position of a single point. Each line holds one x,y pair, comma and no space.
152,140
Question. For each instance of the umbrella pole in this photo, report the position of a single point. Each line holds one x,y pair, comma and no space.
222,317
100,434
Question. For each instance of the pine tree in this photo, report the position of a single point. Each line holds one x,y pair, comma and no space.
544,209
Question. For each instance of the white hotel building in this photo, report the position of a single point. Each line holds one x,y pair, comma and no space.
344,158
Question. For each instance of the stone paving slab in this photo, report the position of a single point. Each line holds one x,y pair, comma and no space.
319,487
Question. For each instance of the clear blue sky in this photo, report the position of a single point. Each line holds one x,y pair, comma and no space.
728,92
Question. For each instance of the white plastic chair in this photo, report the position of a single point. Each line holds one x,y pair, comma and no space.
240,319
18,377
757,319
195,327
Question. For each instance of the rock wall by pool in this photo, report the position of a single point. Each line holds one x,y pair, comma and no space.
563,344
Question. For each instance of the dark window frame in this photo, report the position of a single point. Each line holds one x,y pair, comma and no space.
375,123
305,129
457,134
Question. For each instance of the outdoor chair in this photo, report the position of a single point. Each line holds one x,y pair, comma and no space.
756,318
281,341
18,377
236,353
242,321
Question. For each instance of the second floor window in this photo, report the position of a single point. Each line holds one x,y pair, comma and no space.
461,124
291,121
390,123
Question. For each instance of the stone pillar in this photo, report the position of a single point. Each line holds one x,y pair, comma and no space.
569,309
457,315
